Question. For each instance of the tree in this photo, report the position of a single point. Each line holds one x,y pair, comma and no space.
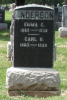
48,2
43,2
65,2
0,1
13,1
6,3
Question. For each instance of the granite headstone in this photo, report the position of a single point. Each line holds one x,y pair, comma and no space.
58,14
33,37
32,46
2,15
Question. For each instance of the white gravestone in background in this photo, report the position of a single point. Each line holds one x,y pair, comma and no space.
63,30
64,16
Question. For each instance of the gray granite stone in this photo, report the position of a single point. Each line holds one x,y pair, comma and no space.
32,79
64,16
3,26
62,32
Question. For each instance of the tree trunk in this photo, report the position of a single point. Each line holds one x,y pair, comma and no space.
13,1
20,2
43,2
65,2
6,3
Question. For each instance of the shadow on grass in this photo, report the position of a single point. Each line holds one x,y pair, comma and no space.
9,23
4,35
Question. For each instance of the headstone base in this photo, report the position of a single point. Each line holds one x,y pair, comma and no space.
62,32
33,81
3,26
34,93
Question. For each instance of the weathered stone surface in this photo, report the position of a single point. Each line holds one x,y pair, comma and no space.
63,32
35,93
9,50
3,26
32,79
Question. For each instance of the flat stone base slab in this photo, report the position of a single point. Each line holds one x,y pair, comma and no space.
32,79
35,93
3,26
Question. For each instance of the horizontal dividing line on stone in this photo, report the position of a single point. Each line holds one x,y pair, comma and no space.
33,34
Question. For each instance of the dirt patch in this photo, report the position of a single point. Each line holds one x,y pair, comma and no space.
62,46
2,45
65,93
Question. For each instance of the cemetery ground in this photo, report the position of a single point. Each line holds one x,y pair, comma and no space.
60,65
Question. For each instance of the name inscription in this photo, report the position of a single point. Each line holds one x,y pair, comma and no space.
34,15
32,34
34,27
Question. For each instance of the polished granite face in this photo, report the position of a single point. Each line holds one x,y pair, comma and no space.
33,36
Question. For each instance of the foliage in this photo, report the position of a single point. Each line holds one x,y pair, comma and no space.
4,1
8,16
48,2
33,1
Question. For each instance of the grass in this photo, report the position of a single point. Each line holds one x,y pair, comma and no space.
8,18
60,65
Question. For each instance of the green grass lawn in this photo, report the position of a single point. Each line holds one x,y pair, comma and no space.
60,65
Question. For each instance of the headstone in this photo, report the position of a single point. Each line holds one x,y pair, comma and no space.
3,25
58,5
58,17
32,50
33,37
60,14
63,30
64,16
2,15
56,14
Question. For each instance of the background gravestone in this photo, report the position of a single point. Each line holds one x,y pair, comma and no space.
2,15
58,14
58,17
33,37
64,14
63,30
3,25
